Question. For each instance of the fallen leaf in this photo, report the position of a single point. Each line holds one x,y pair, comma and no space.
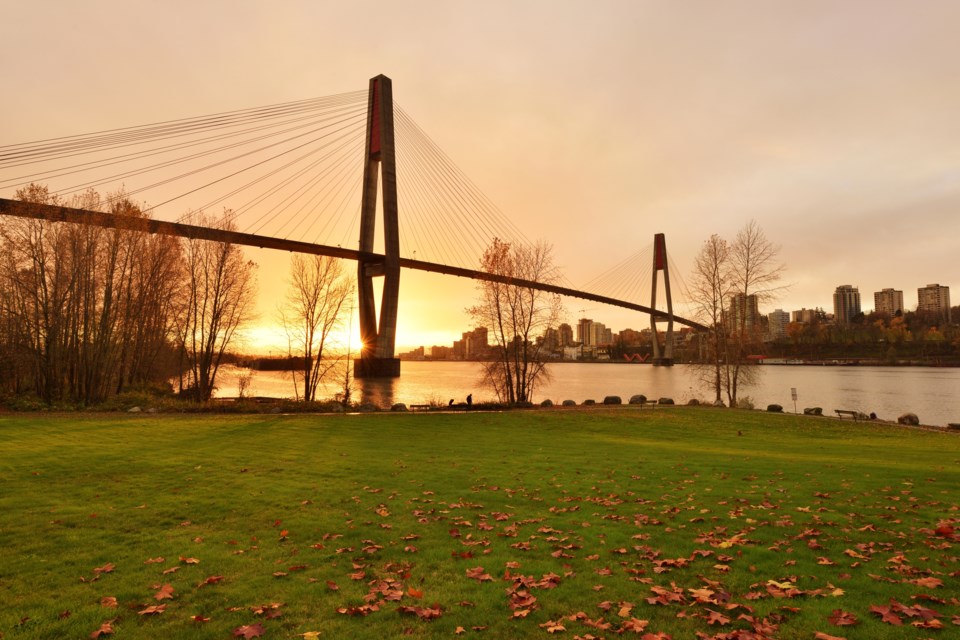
841,618
249,631
152,611
165,592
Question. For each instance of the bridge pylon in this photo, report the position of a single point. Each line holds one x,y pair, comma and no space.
377,357
661,357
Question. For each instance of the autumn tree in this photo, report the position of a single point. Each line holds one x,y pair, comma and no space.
312,313
516,315
219,297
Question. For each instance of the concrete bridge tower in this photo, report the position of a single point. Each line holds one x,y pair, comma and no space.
662,357
377,358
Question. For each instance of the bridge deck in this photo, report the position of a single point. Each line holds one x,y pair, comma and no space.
146,225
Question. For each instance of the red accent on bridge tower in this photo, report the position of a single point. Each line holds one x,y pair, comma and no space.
664,357
377,358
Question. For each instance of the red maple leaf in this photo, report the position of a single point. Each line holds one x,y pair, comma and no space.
931,583
478,574
886,615
826,636
429,613
715,617
106,629
249,631
841,618
553,626
152,611
165,592
211,580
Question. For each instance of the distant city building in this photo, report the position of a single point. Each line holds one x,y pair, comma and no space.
806,316
846,303
605,337
934,299
593,334
585,332
566,335
888,301
629,337
440,353
744,311
777,322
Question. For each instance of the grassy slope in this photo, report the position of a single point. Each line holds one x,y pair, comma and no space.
612,490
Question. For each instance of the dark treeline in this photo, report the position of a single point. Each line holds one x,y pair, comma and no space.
86,312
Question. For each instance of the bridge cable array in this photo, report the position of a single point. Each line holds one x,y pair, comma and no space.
293,171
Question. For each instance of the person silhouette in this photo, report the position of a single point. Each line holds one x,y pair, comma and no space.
470,400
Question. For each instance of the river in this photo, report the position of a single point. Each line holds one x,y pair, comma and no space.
931,393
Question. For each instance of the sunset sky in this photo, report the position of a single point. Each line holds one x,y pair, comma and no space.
592,125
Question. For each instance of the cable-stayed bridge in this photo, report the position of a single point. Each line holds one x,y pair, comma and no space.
307,177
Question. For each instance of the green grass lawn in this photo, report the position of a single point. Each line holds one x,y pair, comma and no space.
663,524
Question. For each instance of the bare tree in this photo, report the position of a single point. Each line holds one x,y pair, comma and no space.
78,315
755,272
313,311
710,287
729,282
220,290
516,315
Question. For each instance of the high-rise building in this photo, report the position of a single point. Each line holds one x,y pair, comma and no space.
585,332
744,311
846,303
888,301
805,316
777,321
934,299
566,335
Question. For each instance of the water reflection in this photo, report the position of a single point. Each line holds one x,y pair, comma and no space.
378,391
931,393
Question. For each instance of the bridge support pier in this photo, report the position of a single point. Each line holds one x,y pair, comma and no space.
664,357
377,358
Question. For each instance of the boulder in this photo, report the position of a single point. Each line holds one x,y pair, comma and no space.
909,418
953,426
693,402
612,400
774,408
398,407
569,403
718,403
813,411
589,402
368,407
134,410
665,401
547,403
638,399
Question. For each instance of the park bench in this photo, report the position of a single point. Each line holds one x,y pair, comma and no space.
846,412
